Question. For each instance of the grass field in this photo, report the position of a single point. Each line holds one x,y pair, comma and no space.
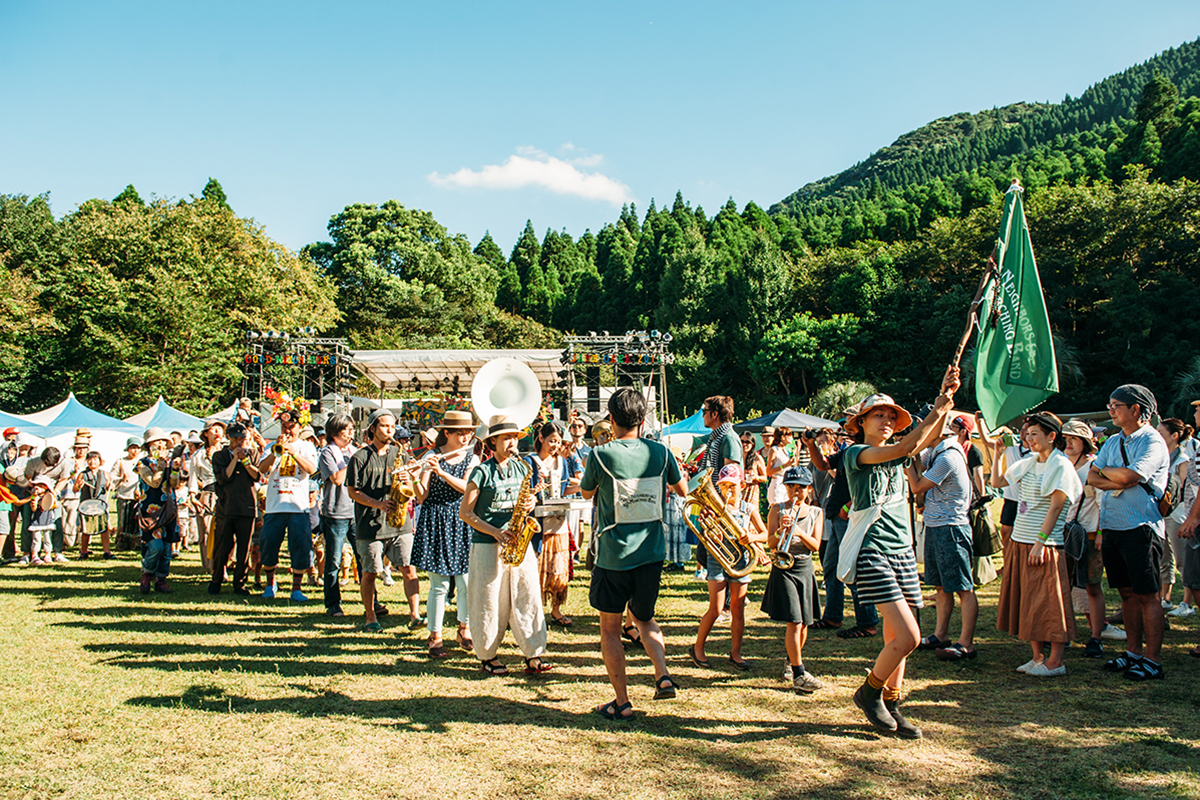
108,694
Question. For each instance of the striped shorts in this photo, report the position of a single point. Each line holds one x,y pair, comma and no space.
883,578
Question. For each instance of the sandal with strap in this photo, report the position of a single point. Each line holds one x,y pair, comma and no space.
825,625
637,640
615,712
932,642
493,667
541,666
667,691
561,622
857,633
465,641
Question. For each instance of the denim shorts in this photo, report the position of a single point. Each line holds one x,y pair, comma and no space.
949,554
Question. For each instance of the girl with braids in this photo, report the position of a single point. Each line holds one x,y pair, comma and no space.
560,476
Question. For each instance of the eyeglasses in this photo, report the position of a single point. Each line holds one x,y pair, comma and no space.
1111,406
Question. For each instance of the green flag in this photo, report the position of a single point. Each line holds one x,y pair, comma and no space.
1015,370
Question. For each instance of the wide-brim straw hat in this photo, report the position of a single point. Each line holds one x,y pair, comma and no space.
1077,427
81,442
155,435
211,423
456,418
903,418
501,423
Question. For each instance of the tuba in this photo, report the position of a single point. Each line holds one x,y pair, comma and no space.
718,530
509,387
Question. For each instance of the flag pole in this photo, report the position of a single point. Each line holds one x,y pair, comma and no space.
973,314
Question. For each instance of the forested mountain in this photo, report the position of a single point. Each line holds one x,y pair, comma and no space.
864,276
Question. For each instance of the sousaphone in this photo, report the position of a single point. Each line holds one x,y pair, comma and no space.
509,387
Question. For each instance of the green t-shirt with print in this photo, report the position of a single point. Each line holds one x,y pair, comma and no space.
498,490
628,545
880,485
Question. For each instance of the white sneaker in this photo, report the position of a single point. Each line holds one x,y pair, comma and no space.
1167,605
1028,665
387,576
723,618
701,574
1040,670
1183,610
1112,632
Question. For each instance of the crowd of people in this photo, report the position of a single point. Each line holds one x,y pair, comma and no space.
494,531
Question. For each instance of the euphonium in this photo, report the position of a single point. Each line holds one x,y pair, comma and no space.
521,526
781,558
718,530
400,492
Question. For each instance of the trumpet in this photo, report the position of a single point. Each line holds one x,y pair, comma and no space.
780,557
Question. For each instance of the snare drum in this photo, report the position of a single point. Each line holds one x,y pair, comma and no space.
95,515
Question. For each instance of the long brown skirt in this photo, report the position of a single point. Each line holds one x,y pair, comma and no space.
1034,601
554,563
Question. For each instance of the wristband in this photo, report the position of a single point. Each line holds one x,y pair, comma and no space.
246,461
1043,537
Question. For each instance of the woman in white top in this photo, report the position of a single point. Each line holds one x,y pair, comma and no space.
778,460
1035,591
1176,432
203,486
1081,450
558,477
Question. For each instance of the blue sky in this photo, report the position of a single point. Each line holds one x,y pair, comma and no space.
488,114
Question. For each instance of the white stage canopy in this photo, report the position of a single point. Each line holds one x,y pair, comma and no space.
447,370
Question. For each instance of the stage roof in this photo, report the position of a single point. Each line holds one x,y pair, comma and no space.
436,370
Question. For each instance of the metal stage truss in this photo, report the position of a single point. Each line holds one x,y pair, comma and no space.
302,365
635,358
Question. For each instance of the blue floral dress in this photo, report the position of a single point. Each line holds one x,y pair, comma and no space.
442,544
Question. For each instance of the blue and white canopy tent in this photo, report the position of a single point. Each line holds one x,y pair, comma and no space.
163,415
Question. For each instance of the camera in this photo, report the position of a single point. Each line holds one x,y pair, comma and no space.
809,434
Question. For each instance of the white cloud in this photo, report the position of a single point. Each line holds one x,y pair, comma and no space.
533,167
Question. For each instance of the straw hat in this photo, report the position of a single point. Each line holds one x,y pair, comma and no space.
155,435
903,418
498,424
456,418
1077,427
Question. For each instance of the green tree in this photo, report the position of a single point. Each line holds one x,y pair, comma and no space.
214,193
805,349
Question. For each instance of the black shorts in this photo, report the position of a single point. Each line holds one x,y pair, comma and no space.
1008,514
1132,559
613,589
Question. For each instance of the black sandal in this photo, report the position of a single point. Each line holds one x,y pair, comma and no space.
493,667
542,666
562,622
825,625
637,640
615,712
858,633
662,692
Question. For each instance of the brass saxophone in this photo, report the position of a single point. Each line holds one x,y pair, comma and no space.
521,526
400,492
719,531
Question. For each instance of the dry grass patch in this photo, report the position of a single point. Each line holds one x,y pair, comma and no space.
109,694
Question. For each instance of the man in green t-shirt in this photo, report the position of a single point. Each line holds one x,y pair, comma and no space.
629,477
502,597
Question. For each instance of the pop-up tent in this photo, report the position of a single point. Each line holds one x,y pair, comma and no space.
693,424
163,415
109,434
786,418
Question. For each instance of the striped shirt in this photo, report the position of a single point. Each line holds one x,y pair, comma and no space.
949,500
1133,507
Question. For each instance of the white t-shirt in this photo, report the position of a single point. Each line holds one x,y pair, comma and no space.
127,472
1088,504
1038,482
1012,455
287,484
